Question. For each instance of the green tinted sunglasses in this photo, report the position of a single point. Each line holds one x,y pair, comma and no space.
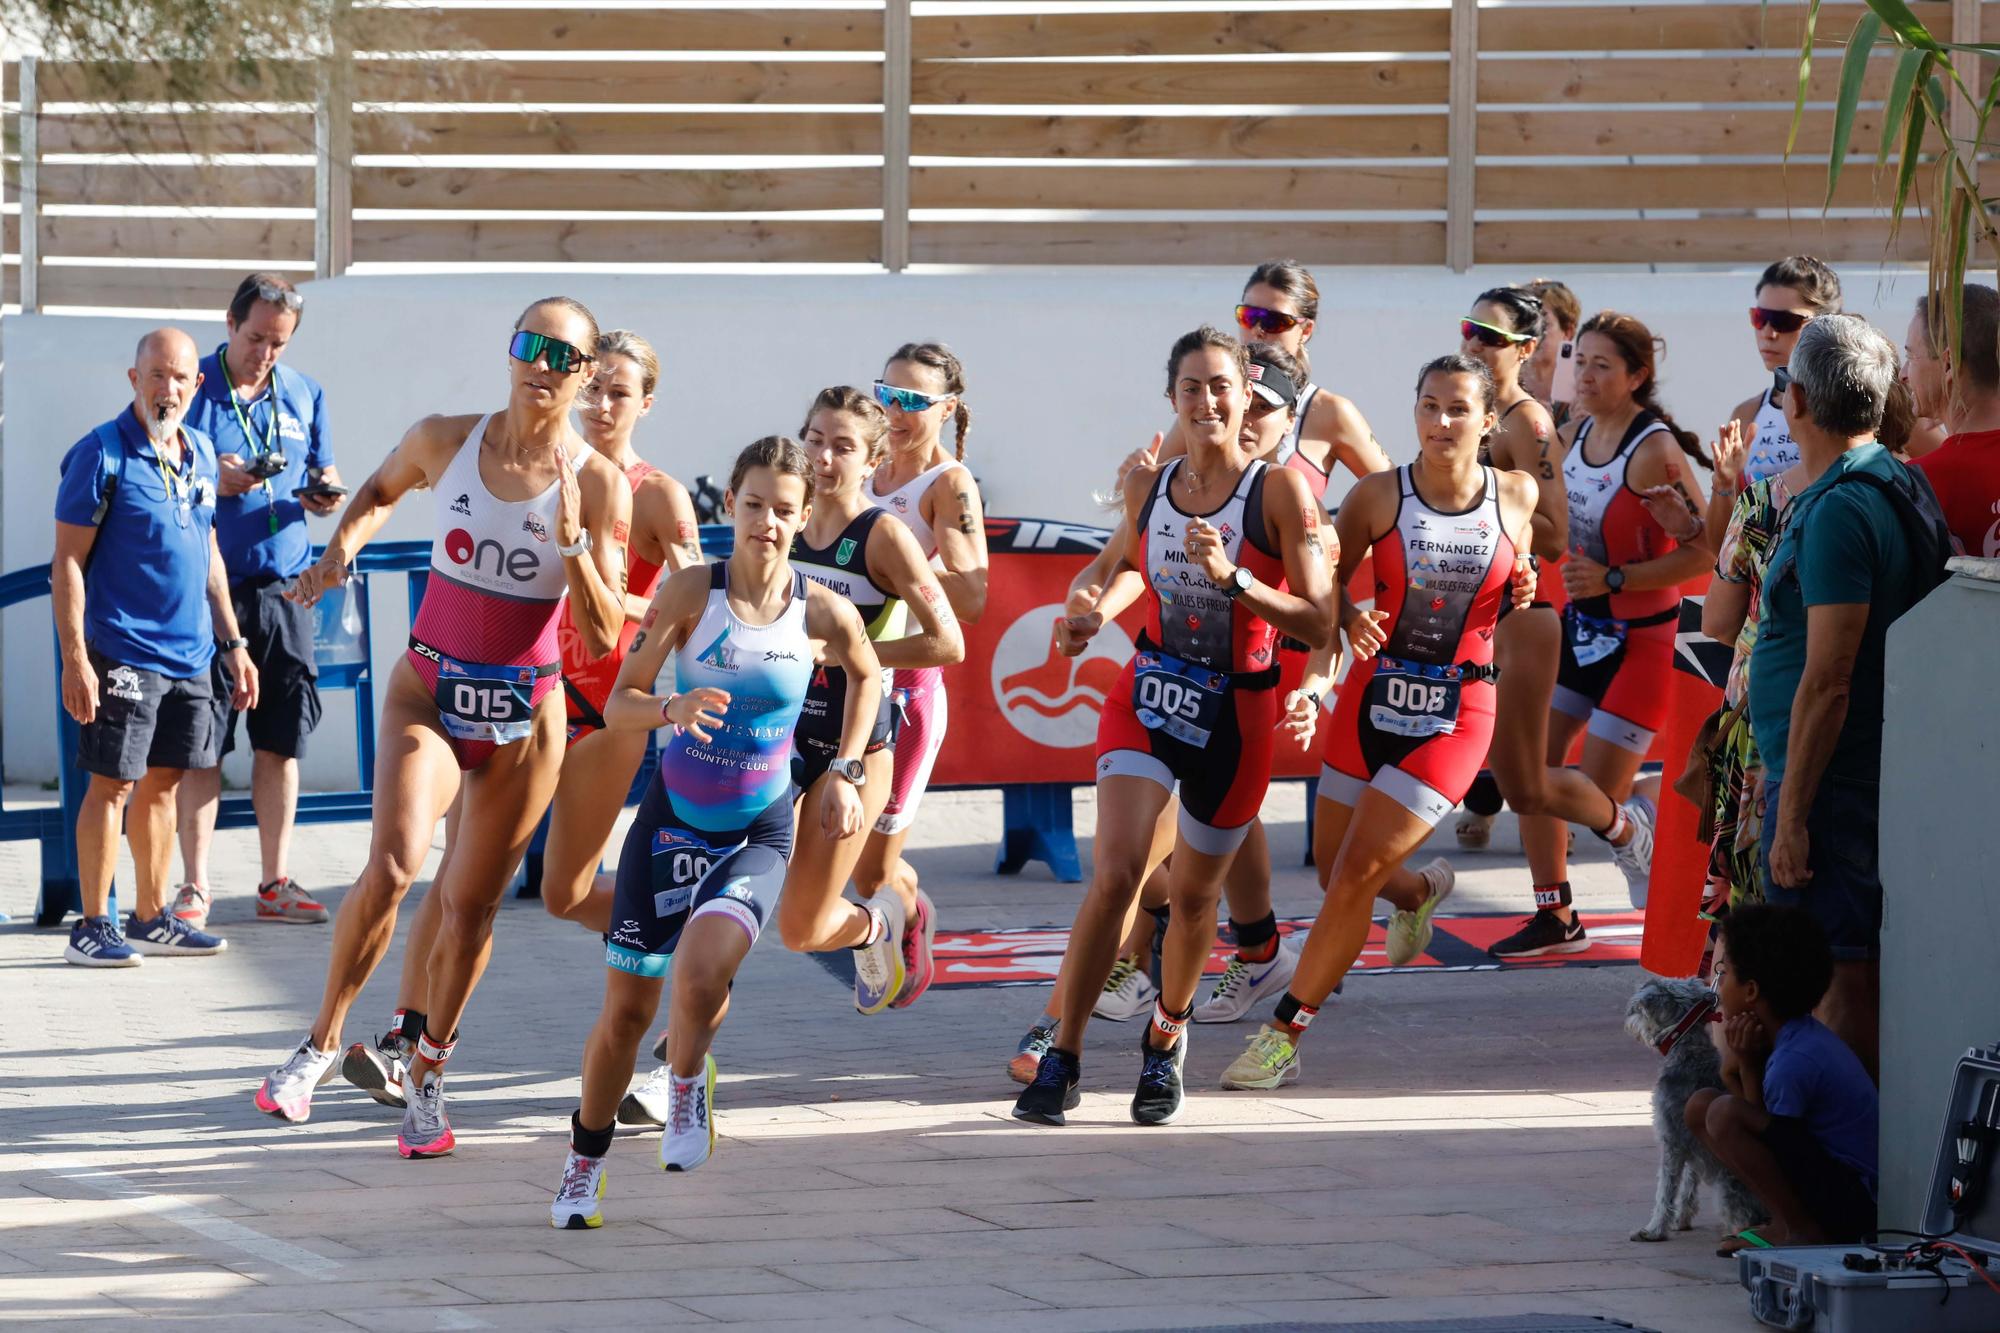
560,356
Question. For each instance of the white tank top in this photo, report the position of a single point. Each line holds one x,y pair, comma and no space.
1772,450
504,548
1593,487
907,503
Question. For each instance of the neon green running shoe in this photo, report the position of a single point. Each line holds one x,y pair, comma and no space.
1270,1059
1410,932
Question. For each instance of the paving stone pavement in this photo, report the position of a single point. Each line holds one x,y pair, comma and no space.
1460,1144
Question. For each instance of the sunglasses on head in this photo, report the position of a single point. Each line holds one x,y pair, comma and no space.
1491,335
906,400
1778,321
285,298
1265,321
560,356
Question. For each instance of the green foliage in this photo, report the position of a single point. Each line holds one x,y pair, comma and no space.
1934,168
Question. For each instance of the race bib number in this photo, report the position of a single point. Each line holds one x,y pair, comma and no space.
1592,640
485,703
1178,698
681,861
1412,701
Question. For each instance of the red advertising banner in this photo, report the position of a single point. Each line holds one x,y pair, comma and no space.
1031,712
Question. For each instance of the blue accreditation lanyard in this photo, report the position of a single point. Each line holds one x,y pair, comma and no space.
270,442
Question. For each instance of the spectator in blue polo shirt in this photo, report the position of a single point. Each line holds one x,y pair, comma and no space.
142,608
268,422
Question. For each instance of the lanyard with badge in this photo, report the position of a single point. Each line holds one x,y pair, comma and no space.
179,488
270,442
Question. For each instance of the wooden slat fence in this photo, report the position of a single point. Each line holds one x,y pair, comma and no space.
944,132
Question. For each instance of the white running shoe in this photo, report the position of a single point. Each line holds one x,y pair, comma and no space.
287,1091
689,1136
1635,858
878,967
578,1198
1128,992
648,1103
426,1129
1244,984
1410,932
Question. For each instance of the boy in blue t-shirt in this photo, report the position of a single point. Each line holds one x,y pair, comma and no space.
1798,1120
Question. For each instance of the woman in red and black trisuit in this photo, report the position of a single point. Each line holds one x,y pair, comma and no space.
1623,577
1231,550
1449,538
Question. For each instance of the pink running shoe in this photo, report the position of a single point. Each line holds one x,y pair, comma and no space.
426,1129
287,1091
919,967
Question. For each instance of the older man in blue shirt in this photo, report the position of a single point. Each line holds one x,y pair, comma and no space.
142,608
268,422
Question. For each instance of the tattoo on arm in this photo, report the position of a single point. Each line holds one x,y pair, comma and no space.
639,639
934,598
965,512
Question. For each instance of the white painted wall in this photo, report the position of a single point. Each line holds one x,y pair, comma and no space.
1066,369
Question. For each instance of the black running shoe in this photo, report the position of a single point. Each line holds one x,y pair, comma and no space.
1052,1092
1543,933
1158,1099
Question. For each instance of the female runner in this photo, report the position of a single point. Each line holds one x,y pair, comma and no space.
704,862
528,515
1448,537
1505,331
867,556
1276,379
934,494
598,764
1622,577
1790,293
1219,537
1279,306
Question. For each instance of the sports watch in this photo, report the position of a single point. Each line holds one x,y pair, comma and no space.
1238,583
582,546
231,645
1614,579
851,769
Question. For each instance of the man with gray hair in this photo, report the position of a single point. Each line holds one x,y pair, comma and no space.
1844,567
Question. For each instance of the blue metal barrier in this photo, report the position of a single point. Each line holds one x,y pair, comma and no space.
1037,815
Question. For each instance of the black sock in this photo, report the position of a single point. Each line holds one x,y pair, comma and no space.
1253,937
588,1142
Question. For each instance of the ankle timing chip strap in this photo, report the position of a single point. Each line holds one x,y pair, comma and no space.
1295,1014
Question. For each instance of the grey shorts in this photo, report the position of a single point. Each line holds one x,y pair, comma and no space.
146,720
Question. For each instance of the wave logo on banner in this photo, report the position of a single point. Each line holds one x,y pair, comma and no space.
1051,699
